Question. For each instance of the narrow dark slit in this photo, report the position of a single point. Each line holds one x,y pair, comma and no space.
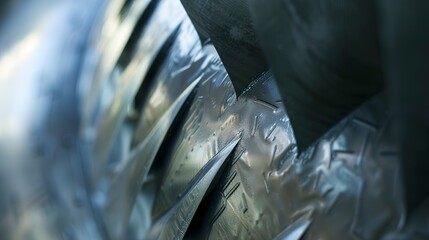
125,8
170,138
212,205
130,47
157,63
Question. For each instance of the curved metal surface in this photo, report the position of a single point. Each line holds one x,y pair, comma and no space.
174,223
42,189
110,38
326,57
345,186
131,172
267,137
348,184
142,134
125,84
203,113
183,64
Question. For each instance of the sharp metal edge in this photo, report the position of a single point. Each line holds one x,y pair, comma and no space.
114,37
174,223
177,65
130,82
131,173
295,231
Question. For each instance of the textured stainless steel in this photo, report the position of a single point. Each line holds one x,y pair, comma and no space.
198,142
213,118
85,172
130,173
142,131
347,186
174,223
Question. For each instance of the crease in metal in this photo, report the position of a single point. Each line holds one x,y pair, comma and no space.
173,223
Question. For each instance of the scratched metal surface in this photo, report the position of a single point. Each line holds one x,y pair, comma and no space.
144,128
344,187
174,223
267,137
197,142
347,186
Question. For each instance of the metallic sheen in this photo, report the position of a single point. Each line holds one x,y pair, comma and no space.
124,84
174,223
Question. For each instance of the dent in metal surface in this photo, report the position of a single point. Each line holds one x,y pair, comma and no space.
174,223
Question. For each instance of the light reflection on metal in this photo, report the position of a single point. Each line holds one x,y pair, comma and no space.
115,33
126,185
345,186
17,55
113,112
295,231
174,223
